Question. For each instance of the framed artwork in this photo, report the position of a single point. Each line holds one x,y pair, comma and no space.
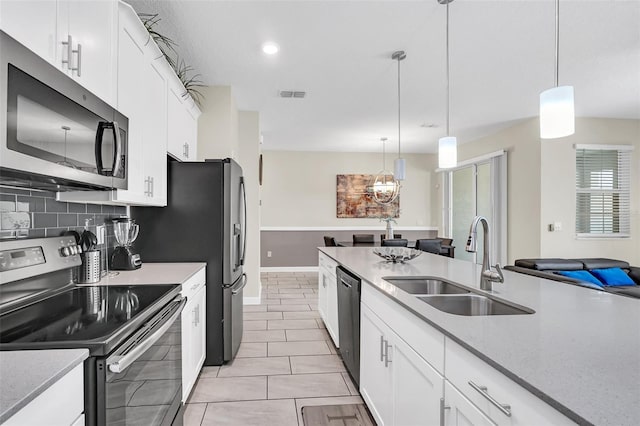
353,201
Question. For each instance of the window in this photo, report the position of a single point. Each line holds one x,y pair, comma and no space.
603,175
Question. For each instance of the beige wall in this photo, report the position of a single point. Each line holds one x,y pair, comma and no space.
558,192
218,124
299,188
249,151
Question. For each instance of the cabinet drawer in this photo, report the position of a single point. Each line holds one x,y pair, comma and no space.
61,404
191,286
480,382
326,262
419,335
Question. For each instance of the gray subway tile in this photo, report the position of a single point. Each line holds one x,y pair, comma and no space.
45,220
77,208
94,208
53,206
15,191
55,232
36,204
67,219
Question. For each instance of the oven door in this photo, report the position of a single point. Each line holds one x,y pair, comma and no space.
141,382
57,132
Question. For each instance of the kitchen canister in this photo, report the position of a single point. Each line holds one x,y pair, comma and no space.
90,268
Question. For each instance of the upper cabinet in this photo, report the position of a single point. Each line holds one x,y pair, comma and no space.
182,122
78,37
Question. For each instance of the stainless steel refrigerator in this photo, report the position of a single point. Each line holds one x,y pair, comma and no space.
204,221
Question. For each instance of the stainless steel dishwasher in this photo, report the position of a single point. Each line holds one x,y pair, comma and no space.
349,321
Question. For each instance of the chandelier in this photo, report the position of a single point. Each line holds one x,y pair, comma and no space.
383,187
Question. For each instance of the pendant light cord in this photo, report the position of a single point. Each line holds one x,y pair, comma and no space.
399,156
557,70
448,95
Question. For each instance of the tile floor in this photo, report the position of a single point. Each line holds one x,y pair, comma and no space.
286,361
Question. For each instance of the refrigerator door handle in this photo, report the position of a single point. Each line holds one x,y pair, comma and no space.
243,283
244,220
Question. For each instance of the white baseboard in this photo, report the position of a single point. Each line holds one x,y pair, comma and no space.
253,300
288,269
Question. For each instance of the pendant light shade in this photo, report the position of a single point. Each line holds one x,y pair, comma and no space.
557,115
447,152
399,165
383,187
448,145
557,111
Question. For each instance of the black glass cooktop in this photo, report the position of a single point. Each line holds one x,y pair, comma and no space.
95,317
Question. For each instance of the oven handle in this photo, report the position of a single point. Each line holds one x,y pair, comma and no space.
121,363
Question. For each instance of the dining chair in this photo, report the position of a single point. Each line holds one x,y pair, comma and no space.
362,238
330,241
431,245
383,236
395,242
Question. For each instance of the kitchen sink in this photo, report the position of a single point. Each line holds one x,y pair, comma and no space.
425,285
474,305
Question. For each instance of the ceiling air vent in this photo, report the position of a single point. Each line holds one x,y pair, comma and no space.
292,94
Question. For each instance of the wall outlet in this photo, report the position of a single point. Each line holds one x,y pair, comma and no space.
269,253
557,226
100,234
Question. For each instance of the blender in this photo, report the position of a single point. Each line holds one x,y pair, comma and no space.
126,231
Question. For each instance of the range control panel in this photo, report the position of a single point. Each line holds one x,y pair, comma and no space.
27,258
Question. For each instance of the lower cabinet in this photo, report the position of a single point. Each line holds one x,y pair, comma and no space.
193,332
399,386
457,410
328,296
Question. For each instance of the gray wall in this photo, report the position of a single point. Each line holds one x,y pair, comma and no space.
299,248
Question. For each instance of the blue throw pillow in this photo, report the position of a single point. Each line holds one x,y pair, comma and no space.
589,280
612,276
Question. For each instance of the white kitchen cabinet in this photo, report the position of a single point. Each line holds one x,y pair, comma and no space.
488,390
182,121
142,98
328,295
459,411
62,404
398,385
78,37
193,331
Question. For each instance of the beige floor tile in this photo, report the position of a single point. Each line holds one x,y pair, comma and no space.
256,367
295,290
251,413
270,301
230,389
320,323
296,301
193,414
301,315
289,308
290,284
250,316
306,386
352,386
284,295
306,335
252,336
209,372
291,324
311,296
255,325
317,364
297,348
336,400
252,350
254,308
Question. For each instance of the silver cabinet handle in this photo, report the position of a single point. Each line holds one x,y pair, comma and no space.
387,361
78,67
69,45
505,408
381,348
147,186
442,408
184,150
187,148
152,186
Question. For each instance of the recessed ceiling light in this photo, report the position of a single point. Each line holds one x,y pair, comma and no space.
270,48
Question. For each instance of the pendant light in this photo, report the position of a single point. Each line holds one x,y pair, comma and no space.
399,164
557,111
448,145
384,188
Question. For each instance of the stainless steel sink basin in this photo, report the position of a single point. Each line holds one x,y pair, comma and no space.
425,285
474,305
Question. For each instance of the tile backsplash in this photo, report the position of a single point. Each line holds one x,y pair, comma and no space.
35,214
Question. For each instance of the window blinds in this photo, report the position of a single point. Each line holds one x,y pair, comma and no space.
603,176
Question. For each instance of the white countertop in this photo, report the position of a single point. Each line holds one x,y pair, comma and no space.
26,374
579,351
154,273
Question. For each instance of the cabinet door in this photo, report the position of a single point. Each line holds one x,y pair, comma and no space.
459,411
33,24
417,387
199,335
176,132
187,320
322,294
192,131
332,308
92,26
375,377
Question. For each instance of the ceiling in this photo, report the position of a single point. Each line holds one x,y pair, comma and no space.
339,52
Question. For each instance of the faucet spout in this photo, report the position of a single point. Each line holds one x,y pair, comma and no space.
488,276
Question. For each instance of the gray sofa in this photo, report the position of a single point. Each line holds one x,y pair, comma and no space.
549,267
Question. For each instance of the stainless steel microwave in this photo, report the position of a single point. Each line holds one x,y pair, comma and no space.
54,133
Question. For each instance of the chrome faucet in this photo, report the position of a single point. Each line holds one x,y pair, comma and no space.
488,276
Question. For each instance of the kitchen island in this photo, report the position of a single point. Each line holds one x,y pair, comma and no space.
579,352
